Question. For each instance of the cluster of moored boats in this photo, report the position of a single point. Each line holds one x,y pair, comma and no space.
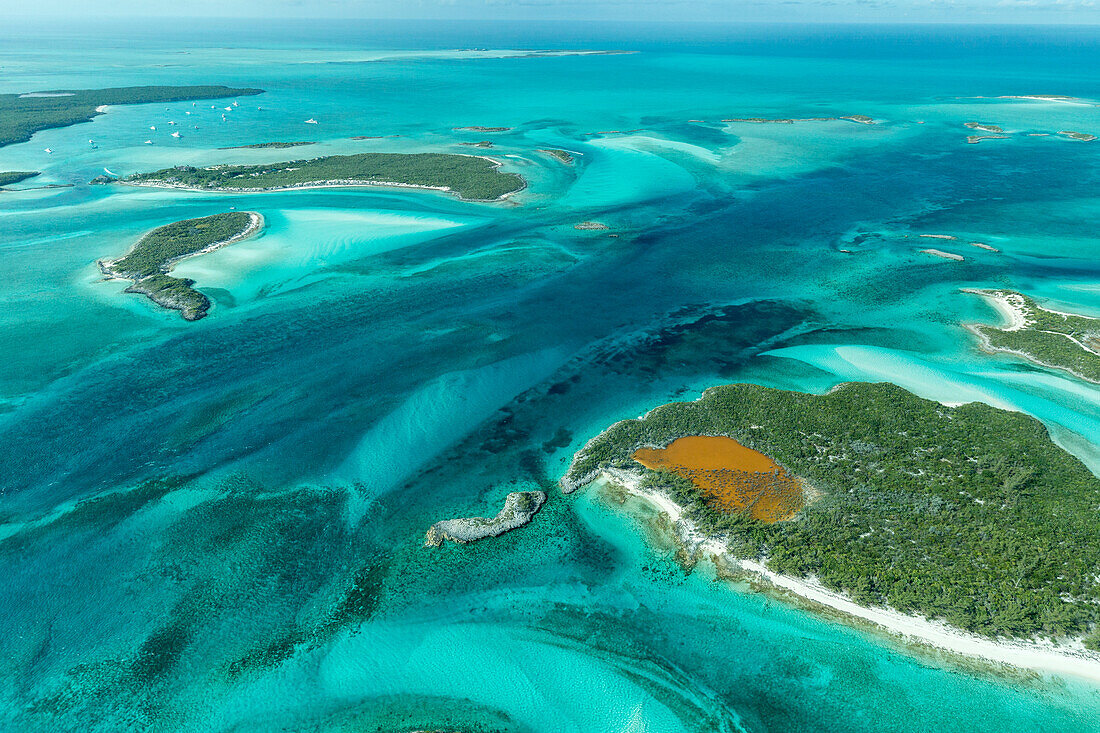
176,134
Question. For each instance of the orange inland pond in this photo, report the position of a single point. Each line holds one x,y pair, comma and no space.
731,477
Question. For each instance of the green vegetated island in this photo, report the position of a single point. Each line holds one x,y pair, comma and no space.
22,115
469,177
967,514
563,156
9,177
1059,340
148,262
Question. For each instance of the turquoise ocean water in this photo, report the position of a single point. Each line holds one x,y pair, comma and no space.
217,525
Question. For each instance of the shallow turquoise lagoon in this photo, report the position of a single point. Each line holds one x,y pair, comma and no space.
217,525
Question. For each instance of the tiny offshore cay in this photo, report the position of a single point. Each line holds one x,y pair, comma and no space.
558,154
861,119
1040,97
943,255
148,262
481,128
265,146
470,177
519,508
1065,341
983,127
960,527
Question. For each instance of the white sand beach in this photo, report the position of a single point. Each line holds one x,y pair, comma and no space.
1066,658
1009,305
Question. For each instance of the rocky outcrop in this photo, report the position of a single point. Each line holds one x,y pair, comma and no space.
519,508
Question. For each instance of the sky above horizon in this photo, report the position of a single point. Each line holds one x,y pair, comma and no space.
884,11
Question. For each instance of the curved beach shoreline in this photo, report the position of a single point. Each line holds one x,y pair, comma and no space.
255,224
1068,658
180,295
335,183
1013,312
320,184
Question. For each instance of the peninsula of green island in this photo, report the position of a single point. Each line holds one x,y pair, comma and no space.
880,503
149,261
471,177
1060,340
22,115
9,177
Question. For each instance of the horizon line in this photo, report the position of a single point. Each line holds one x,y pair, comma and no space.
100,18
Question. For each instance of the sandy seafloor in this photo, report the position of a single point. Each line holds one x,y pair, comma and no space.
216,526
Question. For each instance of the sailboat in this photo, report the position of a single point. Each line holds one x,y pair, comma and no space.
311,121
153,128
175,134
148,142
49,150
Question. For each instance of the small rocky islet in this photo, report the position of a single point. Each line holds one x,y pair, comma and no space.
519,508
